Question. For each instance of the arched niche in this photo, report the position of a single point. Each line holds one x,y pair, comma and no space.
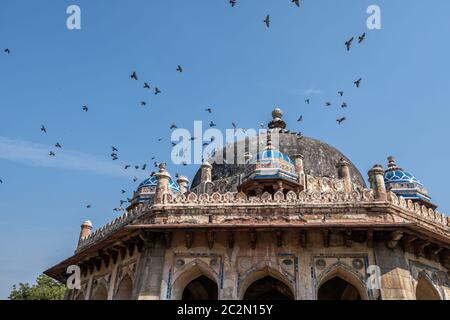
340,283
425,290
100,293
198,275
266,284
125,289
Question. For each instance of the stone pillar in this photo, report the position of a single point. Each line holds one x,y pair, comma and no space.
344,174
149,272
183,182
376,179
206,172
298,162
86,230
162,186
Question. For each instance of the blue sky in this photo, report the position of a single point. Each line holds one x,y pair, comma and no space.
232,63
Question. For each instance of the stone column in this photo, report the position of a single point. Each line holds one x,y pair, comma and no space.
183,182
376,179
344,174
298,162
86,230
162,187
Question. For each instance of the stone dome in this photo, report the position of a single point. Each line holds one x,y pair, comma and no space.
320,159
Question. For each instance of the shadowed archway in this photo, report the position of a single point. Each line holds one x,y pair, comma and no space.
425,290
337,289
101,293
125,289
201,288
268,288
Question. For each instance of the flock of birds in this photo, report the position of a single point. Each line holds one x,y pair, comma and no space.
134,77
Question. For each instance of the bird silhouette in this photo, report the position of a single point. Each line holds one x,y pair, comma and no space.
173,126
85,108
51,154
114,149
157,91
58,145
144,166
123,191
7,51
146,85
341,93
361,37
127,166
160,139
340,120
209,109
212,124
88,206
179,68
233,3
307,101
143,103
267,21
344,105
296,2
327,104
136,167
348,43
134,76
43,129
234,125
300,119
358,82
1,181
135,179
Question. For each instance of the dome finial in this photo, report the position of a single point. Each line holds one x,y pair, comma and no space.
391,163
277,121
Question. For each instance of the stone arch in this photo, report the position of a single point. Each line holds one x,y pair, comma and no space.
124,289
100,292
262,274
192,271
342,273
425,288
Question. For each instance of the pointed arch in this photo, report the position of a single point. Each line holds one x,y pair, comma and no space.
425,288
100,293
124,289
266,273
192,271
343,275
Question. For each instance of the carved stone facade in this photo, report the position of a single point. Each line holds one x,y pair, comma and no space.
317,237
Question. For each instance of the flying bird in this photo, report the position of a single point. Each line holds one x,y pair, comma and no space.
57,145
233,125
160,139
327,104
179,68
7,51
123,191
85,108
88,206
307,101
146,85
136,167
43,129
143,103
173,126
114,149
348,43
51,154
1,181
300,119
212,124
157,91
341,93
344,105
209,109
296,2
134,76
358,82
127,166
233,3
267,21
135,179
361,37
144,166
340,120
